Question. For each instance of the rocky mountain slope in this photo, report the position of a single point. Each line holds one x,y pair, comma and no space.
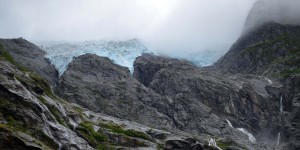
31,56
109,88
246,100
271,50
32,117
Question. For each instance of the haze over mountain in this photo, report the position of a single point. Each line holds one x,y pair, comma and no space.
168,26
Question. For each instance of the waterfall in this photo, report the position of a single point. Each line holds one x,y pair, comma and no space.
250,135
281,105
229,123
212,142
278,139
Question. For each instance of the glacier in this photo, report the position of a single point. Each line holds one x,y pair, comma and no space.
120,52
123,53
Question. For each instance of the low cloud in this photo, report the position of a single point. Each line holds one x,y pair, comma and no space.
169,26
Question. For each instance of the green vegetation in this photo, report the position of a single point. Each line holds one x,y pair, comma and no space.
104,147
45,139
6,55
282,52
291,73
54,111
6,110
15,132
38,80
130,132
43,84
95,138
160,146
225,145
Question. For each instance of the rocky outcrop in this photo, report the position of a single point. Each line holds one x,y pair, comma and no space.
31,56
145,69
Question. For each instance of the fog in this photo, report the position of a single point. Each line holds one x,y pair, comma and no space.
279,11
171,26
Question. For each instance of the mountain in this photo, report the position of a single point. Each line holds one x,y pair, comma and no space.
33,117
249,99
109,88
271,50
269,47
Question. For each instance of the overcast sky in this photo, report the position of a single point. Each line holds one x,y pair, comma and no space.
166,25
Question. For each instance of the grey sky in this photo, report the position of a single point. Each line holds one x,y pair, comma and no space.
166,25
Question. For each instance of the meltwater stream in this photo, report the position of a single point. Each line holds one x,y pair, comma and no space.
278,139
281,105
280,111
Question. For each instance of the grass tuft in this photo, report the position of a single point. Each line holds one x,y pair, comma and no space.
130,132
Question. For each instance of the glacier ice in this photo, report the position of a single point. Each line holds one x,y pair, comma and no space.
120,52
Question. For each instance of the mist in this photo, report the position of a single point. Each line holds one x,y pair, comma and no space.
278,11
167,26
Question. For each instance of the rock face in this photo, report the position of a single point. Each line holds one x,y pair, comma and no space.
96,83
290,133
145,70
249,101
31,56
